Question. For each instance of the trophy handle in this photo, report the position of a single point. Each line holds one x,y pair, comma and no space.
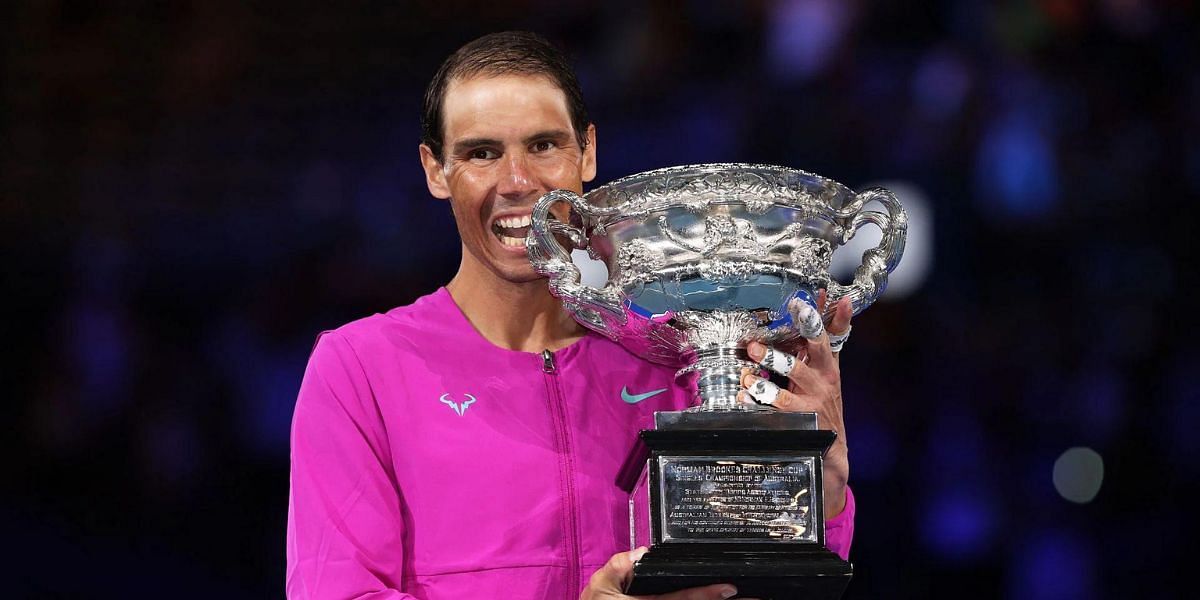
598,309
870,278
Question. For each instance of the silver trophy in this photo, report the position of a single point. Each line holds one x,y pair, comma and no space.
702,260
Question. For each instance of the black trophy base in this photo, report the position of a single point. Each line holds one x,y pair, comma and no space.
814,574
737,498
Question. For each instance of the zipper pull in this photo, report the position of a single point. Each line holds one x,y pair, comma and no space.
547,361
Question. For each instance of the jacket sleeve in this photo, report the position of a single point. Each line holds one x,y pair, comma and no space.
839,531
345,524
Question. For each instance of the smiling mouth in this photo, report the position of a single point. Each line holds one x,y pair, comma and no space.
511,231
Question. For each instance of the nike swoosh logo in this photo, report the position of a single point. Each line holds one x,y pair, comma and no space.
635,398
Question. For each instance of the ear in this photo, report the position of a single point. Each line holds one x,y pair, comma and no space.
588,171
435,174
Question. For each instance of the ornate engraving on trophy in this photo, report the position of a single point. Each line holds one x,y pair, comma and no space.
737,499
638,261
812,257
719,239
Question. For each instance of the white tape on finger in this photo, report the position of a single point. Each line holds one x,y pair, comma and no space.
806,319
763,391
837,340
778,361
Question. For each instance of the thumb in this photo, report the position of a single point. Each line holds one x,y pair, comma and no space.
612,577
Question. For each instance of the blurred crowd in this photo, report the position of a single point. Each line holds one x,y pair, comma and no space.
190,192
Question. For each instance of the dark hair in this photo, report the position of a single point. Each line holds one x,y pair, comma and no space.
505,53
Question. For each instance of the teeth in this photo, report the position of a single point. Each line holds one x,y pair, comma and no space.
511,241
510,222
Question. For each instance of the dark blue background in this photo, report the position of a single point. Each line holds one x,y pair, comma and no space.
191,191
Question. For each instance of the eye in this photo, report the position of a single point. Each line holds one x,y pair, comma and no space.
543,146
483,154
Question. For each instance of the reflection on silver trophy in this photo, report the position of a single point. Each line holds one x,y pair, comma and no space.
703,259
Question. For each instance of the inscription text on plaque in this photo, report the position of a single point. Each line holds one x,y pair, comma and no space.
737,499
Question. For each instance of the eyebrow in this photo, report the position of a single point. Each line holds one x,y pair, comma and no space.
464,145
549,134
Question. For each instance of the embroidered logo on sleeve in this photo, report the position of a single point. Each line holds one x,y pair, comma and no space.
635,398
459,409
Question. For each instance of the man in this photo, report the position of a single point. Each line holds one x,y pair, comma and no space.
468,445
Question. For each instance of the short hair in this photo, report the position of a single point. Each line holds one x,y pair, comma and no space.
504,53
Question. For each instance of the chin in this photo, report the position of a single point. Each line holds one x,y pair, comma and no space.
524,274
531,277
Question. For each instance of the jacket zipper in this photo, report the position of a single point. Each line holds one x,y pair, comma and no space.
566,468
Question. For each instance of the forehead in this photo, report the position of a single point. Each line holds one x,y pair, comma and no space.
486,104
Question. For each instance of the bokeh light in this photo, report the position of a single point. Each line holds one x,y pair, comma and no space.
1078,474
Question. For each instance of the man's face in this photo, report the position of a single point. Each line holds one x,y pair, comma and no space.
508,141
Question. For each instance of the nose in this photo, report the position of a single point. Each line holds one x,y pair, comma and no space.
516,180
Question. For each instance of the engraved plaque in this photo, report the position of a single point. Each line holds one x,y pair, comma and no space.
737,499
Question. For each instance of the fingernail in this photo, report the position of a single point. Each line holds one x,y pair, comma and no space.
756,350
728,592
635,555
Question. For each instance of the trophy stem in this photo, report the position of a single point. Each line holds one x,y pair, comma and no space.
719,375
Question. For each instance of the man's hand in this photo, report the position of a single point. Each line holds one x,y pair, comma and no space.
814,385
607,583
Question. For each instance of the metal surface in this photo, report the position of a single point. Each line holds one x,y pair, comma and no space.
729,499
703,259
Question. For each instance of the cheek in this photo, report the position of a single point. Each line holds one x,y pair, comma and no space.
462,177
468,187
563,170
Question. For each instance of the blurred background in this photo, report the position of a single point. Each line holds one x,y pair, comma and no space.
191,191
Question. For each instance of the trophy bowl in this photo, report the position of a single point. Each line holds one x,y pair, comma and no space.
703,259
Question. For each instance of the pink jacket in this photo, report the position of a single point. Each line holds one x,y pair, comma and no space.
428,463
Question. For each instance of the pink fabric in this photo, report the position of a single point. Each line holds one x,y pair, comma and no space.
428,463
839,531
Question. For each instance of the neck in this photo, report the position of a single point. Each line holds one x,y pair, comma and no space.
516,316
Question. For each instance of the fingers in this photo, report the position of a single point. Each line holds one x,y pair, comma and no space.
772,359
805,318
612,577
765,392
761,390
840,322
720,591
837,320
838,330
820,355
610,580
823,299
797,369
836,341
822,344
